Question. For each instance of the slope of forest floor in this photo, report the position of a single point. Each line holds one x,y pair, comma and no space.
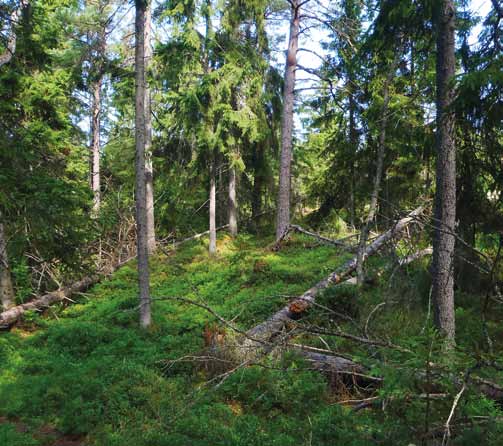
84,374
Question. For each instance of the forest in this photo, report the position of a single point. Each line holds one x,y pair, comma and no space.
251,222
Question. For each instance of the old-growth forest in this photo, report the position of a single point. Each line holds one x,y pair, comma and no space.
251,222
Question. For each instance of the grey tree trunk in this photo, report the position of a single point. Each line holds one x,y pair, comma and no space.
149,169
7,55
283,207
213,207
233,218
258,184
140,136
381,151
7,297
445,196
277,323
95,146
353,139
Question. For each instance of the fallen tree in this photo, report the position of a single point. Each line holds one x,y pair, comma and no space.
322,239
7,318
41,303
277,323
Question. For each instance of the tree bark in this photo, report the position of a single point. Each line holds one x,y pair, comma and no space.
283,211
7,296
233,218
320,238
10,316
149,168
10,49
277,323
353,140
213,207
140,136
95,145
381,151
258,183
445,195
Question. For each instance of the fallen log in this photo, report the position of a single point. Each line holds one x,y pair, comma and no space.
7,318
320,238
415,256
277,323
332,364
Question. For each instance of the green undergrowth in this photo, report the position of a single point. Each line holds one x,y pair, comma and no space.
86,370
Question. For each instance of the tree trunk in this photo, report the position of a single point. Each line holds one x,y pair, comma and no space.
7,297
213,207
149,169
445,196
353,140
233,218
283,211
276,324
7,55
141,201
381,151
258,184
10,316
95,145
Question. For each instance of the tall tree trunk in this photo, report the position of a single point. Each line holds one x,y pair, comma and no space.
283,210
149,169
7,297
381,151
213,206
233,218
353,140
95,145
7,55
258,184
445,196
141,201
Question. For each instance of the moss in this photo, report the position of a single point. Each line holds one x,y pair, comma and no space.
91,372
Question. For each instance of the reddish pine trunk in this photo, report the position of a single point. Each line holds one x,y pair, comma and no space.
283,210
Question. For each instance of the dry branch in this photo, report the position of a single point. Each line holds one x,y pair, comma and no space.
320,238
279,321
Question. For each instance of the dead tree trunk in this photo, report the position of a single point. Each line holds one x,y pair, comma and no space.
95,145
7,297
213,207
141,200
10,49
149,168
10,316
283,210
233,218
445,195
381,151
276,324
258,183
353,139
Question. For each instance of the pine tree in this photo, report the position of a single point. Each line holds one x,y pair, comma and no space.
445,195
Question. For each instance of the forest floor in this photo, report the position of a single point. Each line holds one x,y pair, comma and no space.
84,374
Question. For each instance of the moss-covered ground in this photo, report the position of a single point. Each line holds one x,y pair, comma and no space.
84,374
